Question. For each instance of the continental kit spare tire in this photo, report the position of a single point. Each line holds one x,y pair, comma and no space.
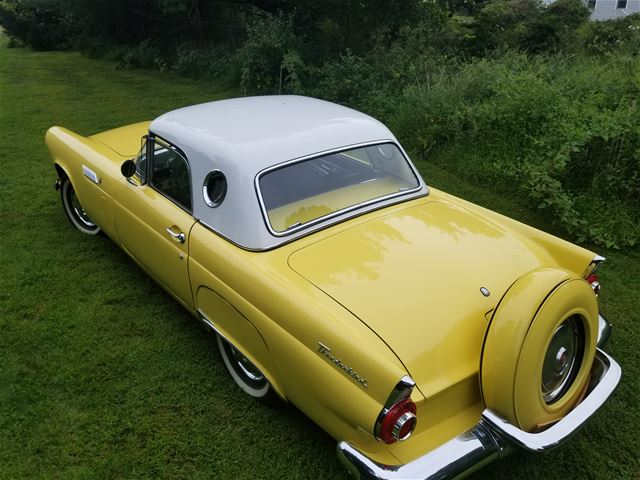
539,348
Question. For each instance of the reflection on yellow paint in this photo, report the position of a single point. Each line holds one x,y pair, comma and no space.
309,209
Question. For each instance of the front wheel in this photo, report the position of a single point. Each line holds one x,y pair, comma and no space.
246,375
72,207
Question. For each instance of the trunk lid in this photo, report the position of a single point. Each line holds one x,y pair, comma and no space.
414,278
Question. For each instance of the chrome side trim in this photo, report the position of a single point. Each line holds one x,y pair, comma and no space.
492,438
91,175
605,375
604,331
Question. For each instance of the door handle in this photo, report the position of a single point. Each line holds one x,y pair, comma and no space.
180,237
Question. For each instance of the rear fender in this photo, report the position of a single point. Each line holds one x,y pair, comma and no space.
517,341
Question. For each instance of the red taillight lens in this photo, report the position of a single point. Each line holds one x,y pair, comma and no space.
594,281
399,422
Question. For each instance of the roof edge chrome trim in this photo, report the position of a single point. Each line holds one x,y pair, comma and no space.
343,211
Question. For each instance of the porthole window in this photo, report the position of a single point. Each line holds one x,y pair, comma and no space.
214,188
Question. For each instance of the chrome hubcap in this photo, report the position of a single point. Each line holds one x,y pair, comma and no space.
79,211
562,360
246,367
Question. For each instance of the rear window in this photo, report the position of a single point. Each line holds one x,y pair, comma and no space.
300,193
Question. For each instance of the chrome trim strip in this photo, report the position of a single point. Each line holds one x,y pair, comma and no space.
343,211
604,331
492,438
594,264
91,175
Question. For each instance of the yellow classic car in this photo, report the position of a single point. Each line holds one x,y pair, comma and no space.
426,334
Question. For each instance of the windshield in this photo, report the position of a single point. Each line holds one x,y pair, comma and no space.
304,191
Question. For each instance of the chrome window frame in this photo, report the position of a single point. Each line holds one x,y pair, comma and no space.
205,189
342,211
150,162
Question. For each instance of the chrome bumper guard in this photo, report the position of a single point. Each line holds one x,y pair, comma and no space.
492,438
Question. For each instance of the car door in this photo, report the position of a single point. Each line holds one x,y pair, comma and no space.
153,217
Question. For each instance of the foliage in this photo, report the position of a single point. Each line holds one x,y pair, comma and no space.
555,28
610,36
565,133
529,25
506,23
146,55
38,23
269,60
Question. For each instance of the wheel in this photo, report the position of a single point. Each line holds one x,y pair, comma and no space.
248,377
539,348
72,207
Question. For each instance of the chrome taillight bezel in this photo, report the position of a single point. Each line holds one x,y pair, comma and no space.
400,393
590,273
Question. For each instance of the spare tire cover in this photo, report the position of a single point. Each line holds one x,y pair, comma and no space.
517,341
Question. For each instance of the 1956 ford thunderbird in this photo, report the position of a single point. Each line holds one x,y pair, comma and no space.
426,334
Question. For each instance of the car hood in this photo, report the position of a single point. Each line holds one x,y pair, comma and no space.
415,277
125,141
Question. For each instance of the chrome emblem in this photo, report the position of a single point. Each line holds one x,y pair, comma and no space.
326,352
485,291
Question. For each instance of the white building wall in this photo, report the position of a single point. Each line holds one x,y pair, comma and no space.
608,9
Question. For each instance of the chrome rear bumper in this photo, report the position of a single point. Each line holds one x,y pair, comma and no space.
491,438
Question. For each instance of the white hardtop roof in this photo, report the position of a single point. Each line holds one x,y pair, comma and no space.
262,131
243,136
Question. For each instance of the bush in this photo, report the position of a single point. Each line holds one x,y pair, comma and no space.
610,36
269,60
38,24
145,55
564,133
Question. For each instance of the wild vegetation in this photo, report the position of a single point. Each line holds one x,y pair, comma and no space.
529,98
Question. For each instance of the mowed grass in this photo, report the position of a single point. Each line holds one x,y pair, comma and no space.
103,375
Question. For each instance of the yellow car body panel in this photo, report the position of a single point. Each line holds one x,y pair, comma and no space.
125,141
392,292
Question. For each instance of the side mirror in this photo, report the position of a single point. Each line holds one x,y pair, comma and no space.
128,168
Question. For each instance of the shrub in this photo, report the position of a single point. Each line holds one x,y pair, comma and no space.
610,36
40,24
145,55
563,133
269,59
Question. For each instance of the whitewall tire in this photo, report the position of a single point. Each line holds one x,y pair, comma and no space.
74,210
246,375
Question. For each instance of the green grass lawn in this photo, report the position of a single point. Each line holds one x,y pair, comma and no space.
103,375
